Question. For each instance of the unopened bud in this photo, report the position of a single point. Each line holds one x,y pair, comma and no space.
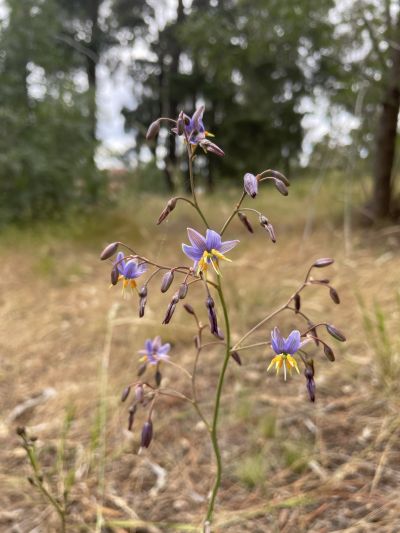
171,204
245,221
109,250
131,416
313,332
281,187
158,378
141,369
180,124
271,231
182,292
297,302
171,309
220,334
168,278
114,276
139,393
334,295
250,184
189,309
323,262
209,146
21,431
125,393
236,357
329,353
311,389
338,335
212,316
153,130
147,434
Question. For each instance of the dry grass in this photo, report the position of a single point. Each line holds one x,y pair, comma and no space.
290,466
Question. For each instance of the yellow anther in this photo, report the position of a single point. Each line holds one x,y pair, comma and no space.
218,255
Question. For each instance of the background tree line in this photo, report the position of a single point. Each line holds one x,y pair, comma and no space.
251,62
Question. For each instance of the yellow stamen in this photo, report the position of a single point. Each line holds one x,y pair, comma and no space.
209,134
287,361
218,254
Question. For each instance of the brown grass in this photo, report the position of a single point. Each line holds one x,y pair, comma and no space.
290,466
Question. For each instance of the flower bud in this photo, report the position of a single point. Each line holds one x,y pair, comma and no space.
297,302
109,250
209,146
131,417
336,334
245,221
189,309
182,291
141,369
220,334
147,434
212,316
311,389
171,309
313,332
271,231
329,353
153,130
334,295
236,357
158,378
323,262
114,276
281,187
171,204
125,393
250,184
142,300
180,124
168,278
139,393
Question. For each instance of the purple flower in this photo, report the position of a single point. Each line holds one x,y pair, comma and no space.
129,270
154,351
284,349
207,250
250,184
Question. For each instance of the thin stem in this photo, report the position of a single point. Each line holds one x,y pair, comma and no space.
235,210
214,426
248,346
191,177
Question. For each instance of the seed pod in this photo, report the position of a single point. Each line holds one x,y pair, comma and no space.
109,250
338,335
139,393
189,309
323,262
182,291
125,393
158,378
147,434
153,130
245,221
131,417
168,278
250,184
334,295
114,276
141,369
236,357
171,204
297,302
171,309
281,187
329,352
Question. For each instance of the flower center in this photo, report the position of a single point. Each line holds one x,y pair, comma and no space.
211,257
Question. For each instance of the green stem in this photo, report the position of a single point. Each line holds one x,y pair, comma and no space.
214,425
191,177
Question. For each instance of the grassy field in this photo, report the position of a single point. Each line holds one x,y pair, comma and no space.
69,347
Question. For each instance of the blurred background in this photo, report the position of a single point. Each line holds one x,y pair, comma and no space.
308,87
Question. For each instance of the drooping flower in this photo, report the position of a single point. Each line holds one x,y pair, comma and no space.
129,270
207,250
194,130
284,349
154,351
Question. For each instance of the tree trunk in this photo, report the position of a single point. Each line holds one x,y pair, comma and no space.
386,135
92,61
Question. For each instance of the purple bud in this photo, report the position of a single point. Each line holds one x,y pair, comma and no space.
131,417
167,210
334,295
142,300
236,357
180,124
281,187
209,146
250,184
323,262
220,334
153,130
171,309
311,389
297,302
142,369
271,231
109,250
212,316
147,434
114,276
245,221
168,278
329,353
139,393
189,309
158,378
182,292
125,393
263,221
338,335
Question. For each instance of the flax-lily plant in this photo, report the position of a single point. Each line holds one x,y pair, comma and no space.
208,251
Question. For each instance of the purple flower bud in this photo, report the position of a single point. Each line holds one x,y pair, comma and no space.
236,357
212,316
114,276
109,250
147,434
182,292
209,146
271,231
338,335
311,389
180,124
281,187
329,353
171,309
250,184
220,334
334,295
141,369
142,300
189,309
153,130
245,221
158,378
125,393
297,302
131,417
139,393
168,278
167,210
323,262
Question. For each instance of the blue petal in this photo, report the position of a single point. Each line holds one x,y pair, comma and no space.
292,343
141,269
228,245
156,343
213,240
277,341
164,349
197,240
192,252
130,270
149,346
119,261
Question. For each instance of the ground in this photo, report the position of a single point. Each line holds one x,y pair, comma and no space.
70,344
